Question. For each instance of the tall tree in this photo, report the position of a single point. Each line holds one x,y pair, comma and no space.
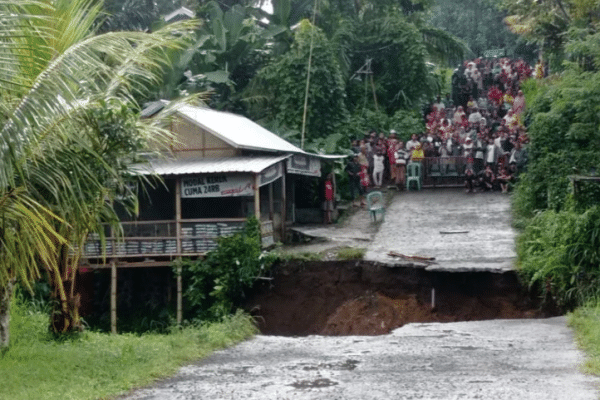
279,89
552,24
55,181
480,24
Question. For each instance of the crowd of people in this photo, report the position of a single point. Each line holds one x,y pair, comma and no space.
481,124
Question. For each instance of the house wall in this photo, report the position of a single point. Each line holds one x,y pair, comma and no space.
192,141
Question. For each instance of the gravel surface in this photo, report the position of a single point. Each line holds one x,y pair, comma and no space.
501,359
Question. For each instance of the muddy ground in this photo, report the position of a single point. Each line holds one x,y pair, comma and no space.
364,298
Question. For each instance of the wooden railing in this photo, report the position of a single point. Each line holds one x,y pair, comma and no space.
159,238
451,171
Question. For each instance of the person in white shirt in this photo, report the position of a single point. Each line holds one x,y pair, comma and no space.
378,167
491,154
474,117
412,143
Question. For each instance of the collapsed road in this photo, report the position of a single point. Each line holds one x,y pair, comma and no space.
348,331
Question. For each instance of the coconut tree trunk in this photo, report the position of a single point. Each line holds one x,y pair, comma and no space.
5,298
65,314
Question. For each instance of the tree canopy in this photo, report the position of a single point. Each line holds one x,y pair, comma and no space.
480,24
247,57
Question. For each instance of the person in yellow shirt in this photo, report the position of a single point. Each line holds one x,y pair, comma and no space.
508,98
417,154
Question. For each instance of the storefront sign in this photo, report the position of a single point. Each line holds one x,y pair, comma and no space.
301,164
271,174
217,186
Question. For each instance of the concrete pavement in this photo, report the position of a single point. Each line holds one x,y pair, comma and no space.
462,231
487,360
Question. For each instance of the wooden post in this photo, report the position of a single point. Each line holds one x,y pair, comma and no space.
283,207
334,183
271,206
257,196
293,200
113,297
179,249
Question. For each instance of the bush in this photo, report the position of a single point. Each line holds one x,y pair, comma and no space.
559,255
217,283
405,122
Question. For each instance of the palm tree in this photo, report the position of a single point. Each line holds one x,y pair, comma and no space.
57,176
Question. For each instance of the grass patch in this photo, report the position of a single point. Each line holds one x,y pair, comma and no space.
98,365
585,321
300,256
351,253
336,253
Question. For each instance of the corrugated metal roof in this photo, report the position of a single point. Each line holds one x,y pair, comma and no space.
207,165
238,131
180,13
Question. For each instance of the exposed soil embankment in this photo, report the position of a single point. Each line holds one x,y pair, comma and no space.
361,298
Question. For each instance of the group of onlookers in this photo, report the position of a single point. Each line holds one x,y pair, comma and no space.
485,132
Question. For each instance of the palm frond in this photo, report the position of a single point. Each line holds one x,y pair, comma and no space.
443,46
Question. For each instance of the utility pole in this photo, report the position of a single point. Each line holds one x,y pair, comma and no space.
310,51
368,72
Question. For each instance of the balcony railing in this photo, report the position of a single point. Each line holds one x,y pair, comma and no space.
159,238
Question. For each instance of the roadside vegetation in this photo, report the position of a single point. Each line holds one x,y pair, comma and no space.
586,323
39,366
559,244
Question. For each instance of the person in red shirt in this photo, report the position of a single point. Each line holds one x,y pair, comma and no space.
495,95
329,199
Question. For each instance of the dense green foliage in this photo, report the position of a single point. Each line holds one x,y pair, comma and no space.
559,247
405,122
553,25
39,367
256,63
217,283
480,24
281,86
565,139
585,321
560,255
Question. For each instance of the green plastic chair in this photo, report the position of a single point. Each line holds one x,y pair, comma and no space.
413,175
375,205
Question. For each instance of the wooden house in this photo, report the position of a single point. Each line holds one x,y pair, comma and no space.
220,169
